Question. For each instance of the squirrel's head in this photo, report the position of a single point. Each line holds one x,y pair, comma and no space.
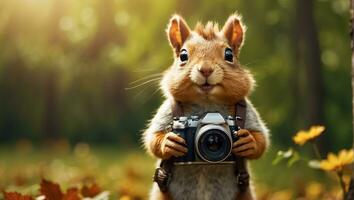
206,67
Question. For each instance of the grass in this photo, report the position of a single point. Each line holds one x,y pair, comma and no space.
128,172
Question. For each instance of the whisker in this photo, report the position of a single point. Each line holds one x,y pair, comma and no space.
142,91
146,77
151,95
144,83
145,70
252,62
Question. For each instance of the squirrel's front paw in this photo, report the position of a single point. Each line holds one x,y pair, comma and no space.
172,146
246,145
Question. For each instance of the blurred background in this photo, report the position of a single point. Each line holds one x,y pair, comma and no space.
73,100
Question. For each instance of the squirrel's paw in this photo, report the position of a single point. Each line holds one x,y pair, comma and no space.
246,145
172,145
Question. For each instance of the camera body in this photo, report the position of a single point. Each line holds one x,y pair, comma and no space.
209,139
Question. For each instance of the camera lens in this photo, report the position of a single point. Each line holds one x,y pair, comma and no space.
213,142
214,145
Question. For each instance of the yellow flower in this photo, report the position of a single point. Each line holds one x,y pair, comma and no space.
125,197
303,136
314,190
336,163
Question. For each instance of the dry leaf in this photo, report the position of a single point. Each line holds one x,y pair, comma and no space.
51,190
91,191
16,196
72,194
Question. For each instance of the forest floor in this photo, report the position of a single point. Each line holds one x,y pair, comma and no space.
127,173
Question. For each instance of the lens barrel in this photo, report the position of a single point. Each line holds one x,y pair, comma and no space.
213,143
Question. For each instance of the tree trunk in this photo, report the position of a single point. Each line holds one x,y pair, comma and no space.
51,106
106,31
309,65
350,194
51,87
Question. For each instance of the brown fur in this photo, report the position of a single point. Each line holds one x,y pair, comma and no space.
209,31
155,145
205,46
234,32
261,144
177,31
183,82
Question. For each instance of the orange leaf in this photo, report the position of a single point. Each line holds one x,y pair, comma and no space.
72,194
16,196
90,191
51,190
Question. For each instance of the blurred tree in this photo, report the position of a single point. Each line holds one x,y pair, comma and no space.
308,64
51,83
350,194
309,59
64,65
51,118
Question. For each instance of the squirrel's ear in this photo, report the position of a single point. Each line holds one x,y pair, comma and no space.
177,31
234,30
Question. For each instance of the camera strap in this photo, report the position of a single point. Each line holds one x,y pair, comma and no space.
163,174
241,168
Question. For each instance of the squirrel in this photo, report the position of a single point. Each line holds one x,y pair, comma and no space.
205,75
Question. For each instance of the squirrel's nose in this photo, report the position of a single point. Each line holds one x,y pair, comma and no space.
206,71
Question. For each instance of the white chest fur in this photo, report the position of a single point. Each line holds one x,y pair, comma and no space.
204,182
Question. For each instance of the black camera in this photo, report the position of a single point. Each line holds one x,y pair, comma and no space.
209,139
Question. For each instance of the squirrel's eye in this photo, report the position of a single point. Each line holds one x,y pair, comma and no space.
228,55
183,56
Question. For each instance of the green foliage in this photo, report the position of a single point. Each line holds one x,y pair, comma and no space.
64,65
334,163
290,155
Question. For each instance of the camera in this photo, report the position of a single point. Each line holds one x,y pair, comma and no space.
209,139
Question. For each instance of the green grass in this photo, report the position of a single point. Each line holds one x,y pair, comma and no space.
116,170
124,171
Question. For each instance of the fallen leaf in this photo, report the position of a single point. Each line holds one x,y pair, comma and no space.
51,190
91,191
16,196
72,194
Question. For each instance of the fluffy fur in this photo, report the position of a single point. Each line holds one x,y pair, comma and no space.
205,48
211,182
226,84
